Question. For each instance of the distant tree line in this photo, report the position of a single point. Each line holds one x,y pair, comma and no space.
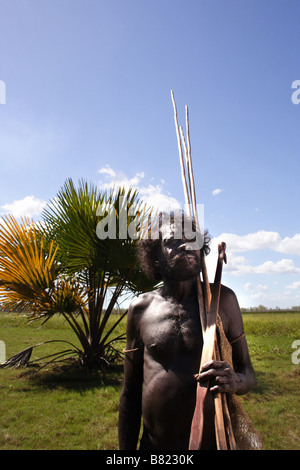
262,308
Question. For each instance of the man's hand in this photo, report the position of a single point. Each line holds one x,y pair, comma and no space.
220,375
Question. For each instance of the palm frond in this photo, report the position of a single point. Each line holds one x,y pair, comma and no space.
26,269
30,274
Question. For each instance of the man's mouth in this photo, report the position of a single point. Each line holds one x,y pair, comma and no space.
185,257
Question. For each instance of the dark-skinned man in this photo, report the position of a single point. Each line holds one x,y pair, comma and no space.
163,351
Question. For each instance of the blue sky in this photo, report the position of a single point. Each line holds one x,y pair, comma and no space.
87,95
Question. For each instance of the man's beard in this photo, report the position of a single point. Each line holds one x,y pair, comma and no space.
182,267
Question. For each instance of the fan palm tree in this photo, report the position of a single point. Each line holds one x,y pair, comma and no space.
62,266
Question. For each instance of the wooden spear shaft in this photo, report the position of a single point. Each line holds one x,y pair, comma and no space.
210,348
208,324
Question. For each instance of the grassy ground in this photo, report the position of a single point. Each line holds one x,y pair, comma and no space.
70,409
274,404
57,407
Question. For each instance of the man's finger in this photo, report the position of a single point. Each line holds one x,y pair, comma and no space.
222,379
213,365
206,376
219,389
211,374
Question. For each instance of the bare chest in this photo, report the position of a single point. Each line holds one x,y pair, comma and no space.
171,330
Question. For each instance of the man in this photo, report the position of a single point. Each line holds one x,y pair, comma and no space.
163,351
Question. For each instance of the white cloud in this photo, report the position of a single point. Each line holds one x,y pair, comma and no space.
217,191
152,195
262,288
284,266
294,286
259,289
261,240
256,293
289,245
239,266
248,287
252,241
29,206
119,178
108,171
281,296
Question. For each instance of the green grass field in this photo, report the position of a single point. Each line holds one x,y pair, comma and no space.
59,409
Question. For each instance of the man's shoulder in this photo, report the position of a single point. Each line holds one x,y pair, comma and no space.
143,301
226,292
138,307
229,311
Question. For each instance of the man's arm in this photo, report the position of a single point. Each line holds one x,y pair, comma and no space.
131,395
222,377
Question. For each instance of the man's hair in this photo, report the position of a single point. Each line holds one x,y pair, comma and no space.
149,252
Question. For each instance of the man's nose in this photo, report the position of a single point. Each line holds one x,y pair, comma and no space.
187,246
184,246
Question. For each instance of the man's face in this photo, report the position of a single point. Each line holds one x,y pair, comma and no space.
178,261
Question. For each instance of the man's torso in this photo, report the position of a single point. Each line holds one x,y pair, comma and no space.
171,333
